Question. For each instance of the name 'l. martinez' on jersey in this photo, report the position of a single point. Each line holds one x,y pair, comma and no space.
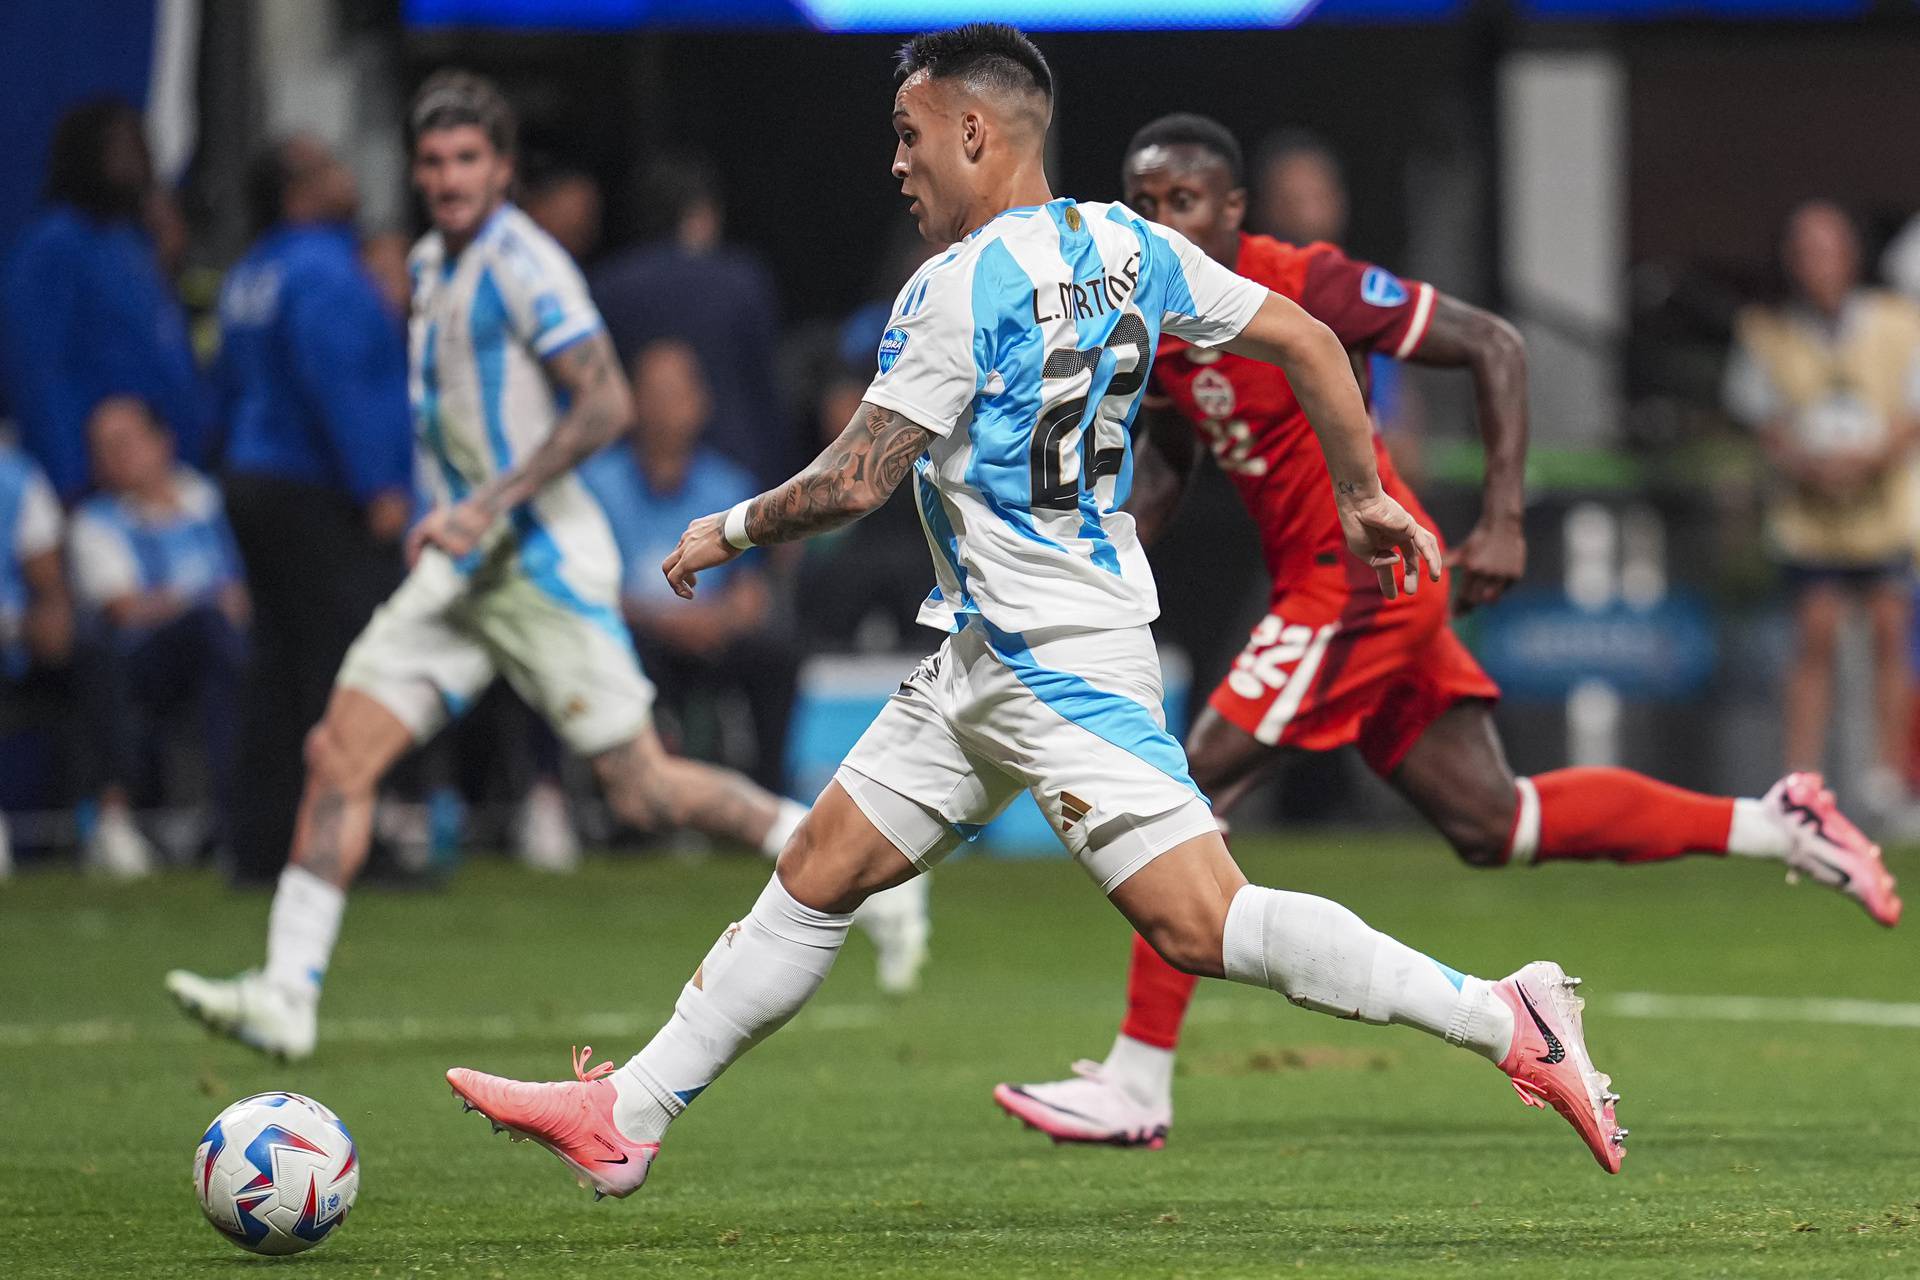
482,323
1025,348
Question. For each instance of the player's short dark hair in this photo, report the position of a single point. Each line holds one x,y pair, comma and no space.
76,160
988,55
1185,129
452,98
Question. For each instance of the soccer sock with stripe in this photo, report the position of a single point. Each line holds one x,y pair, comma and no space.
1322,956
1621,816
758,974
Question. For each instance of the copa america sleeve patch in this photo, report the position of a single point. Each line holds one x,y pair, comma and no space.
1378,286
892,343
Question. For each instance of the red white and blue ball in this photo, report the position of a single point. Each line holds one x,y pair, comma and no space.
276,1173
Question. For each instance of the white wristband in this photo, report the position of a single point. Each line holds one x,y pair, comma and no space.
735,529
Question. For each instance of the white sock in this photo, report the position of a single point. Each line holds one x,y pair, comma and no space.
786,820
1322,956
1756,833
1143,1070
301,929
758,974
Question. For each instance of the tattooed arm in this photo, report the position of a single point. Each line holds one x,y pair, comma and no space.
601,409
852,476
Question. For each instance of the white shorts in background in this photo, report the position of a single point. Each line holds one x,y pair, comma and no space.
1073,717
440,640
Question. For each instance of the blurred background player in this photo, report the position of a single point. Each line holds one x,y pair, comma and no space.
1048,681
1829,379
1337,663
515,572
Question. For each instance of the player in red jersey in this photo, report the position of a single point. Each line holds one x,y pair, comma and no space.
1335,662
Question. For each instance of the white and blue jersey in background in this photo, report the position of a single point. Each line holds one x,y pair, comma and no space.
482,323
119,548
30,526
1025,348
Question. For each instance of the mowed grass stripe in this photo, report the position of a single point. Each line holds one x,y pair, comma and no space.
502,1028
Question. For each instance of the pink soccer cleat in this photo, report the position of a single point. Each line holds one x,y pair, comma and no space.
1091,1107
1830,849
1548,1062
571,1118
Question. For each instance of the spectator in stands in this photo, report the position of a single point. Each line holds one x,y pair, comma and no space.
652,485
384,257
159,586
1830,381
36,614
85,310
860,586
565,202
313,388
717,299
1901,262
1300,196
1300,193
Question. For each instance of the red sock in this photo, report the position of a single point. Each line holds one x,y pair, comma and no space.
1618,815
1157,998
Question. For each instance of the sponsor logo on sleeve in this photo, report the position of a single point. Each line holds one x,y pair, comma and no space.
1382,288
892,343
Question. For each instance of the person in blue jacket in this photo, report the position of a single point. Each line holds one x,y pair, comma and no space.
85,310
319,464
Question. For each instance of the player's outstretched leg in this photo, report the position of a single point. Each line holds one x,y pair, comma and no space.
653,789
275,1009
1199,912
1457,776
607,1125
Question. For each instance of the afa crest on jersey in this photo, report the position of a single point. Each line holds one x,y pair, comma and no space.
1382,288
892,343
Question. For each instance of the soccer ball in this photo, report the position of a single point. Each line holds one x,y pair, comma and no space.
276,1173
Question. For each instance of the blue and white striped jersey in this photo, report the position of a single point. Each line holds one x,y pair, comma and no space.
482,323
1025,348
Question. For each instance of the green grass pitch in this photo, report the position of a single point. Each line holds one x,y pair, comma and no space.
861,1141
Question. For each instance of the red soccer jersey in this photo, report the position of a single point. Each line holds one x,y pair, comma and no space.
1248,414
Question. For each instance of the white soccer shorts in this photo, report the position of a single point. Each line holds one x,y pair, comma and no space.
440,640
1072,716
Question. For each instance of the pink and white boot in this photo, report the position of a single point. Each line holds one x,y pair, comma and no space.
571,1118
1548,1063
1827,847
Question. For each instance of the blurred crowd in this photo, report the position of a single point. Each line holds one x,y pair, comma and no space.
194,536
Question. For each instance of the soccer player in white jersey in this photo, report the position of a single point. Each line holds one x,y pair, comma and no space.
515,571
1013,365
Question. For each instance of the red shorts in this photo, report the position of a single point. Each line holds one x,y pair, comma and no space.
1335,662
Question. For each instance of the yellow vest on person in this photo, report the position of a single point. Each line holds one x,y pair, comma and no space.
1842,394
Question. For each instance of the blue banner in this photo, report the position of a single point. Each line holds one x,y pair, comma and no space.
1539,644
